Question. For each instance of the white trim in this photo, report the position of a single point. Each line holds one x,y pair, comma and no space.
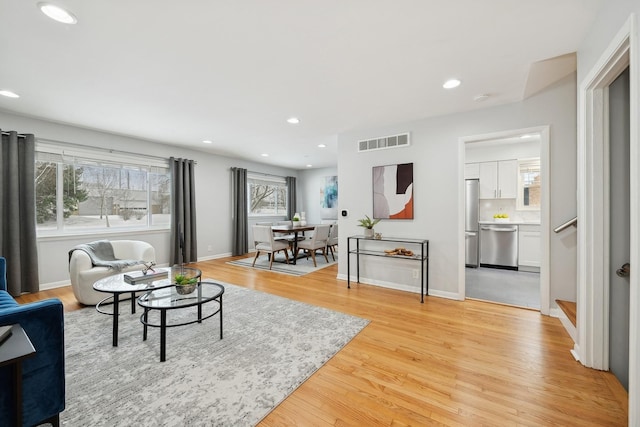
545,228
593,293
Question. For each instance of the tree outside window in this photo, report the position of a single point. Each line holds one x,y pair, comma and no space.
267,197
91,195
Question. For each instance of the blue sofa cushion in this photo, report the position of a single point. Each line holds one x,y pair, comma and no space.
6,301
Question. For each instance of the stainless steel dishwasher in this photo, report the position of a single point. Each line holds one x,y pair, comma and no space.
499,246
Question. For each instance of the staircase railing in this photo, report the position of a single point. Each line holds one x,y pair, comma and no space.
566,225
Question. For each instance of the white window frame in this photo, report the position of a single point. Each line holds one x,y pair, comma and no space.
522,163
67,153
253,177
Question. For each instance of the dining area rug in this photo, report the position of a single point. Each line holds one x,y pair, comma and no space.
303,265
271,345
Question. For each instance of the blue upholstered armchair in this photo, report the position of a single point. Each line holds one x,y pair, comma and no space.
42,374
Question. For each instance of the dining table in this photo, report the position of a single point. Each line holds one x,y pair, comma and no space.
295,230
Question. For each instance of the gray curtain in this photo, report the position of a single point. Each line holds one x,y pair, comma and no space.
184,238
18,212
240,211
291,196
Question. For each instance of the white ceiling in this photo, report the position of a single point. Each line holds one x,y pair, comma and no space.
233,71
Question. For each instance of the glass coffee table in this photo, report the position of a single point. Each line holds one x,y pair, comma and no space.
167,298
117,286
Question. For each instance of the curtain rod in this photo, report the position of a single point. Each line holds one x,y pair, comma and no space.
20,135
108,150
265,174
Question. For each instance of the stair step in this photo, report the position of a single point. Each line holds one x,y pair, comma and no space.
570,310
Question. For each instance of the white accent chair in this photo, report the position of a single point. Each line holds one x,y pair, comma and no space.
332,241
317,242
83,274
265,243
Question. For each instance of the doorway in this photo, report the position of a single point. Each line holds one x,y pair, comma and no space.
619,227
524,286
595,263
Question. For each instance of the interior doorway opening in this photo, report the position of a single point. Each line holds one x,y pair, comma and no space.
511,173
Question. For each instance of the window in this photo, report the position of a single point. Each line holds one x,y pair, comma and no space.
267,196
529,184
99,191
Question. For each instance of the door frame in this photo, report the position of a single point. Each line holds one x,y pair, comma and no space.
543,131
592,346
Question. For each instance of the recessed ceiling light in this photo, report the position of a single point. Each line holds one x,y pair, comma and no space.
9,94
207,141
321,145
293,120
264,155
57,13
450,84
309,166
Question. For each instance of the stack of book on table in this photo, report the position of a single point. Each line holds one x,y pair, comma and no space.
138,277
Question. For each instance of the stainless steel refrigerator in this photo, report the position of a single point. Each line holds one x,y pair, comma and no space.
471,232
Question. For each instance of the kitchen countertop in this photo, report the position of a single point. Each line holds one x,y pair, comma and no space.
511,222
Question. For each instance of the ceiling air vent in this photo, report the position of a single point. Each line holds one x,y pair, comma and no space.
393,141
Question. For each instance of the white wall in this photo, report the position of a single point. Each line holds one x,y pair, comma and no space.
213,195
310,181
434,153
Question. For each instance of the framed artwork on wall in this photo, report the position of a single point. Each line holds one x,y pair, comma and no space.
329,198
393,191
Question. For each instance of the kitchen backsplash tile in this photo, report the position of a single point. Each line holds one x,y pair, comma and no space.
489,207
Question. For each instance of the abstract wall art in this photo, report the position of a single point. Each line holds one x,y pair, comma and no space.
329,198
393,191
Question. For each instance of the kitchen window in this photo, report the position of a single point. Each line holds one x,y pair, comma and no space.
529,189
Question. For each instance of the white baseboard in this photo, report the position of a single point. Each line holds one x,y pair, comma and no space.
208,258
54,285
399,287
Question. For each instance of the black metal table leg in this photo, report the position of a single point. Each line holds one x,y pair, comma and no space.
133,303
145,316
116,303
220,316
163,334
348,262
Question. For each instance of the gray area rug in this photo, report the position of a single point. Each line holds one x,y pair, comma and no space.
271,345
302,267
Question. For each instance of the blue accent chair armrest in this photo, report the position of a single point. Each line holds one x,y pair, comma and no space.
43,382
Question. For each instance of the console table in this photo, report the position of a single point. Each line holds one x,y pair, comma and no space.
377,247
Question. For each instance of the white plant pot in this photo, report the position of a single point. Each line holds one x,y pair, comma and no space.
368,232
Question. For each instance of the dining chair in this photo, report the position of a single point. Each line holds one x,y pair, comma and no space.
265,243
317,242
332,241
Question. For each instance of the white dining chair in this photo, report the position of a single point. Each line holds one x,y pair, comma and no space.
332,241
265,243
317,242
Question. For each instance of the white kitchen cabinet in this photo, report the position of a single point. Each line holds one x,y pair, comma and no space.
529,250
472,171
498,180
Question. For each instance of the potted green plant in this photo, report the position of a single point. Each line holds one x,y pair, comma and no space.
368,225
296,220
185,284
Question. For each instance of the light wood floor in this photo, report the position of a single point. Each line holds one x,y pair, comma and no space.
439,363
